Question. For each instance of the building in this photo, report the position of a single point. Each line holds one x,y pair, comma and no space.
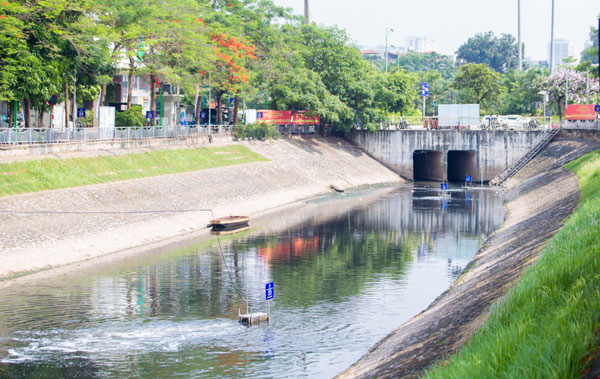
419,44
562,50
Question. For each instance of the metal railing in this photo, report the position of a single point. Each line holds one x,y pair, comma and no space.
30,136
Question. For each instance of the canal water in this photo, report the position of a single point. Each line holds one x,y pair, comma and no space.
347,269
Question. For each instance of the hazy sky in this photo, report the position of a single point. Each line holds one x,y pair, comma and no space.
451,23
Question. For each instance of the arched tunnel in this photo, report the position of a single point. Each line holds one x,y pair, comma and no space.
460,164
428,165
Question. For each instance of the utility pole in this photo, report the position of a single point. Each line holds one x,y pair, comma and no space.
519,32
552,39
306,12
385,58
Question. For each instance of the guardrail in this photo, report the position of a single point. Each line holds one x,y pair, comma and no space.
55,135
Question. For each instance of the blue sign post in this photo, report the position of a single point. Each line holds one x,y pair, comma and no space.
269,291
444,186
425,89
80,112
469,179
597,107
182,118
231,101
149,115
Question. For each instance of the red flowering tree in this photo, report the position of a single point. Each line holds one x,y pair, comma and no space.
229,73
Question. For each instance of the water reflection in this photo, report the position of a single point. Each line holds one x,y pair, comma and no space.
347,270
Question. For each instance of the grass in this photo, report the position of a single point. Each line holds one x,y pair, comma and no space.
49,174
546,326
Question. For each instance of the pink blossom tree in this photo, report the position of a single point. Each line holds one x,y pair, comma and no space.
555,85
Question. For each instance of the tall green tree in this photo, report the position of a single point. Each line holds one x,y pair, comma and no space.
426,62
499,53
522,91
482,85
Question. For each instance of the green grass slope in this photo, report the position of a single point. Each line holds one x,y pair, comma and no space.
546,326
49,174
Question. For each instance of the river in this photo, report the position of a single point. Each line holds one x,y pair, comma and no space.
347,269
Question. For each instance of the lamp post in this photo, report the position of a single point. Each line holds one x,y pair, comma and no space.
545,95
552,40
519,33
385,58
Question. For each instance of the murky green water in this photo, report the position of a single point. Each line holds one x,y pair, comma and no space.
347,270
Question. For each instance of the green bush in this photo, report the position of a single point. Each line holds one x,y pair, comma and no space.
259,131
131,117
88,120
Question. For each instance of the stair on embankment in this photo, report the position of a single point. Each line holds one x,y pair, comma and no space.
511,170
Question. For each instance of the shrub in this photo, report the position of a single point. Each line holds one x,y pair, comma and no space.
259,131
131,117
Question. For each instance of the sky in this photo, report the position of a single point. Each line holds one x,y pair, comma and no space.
451,23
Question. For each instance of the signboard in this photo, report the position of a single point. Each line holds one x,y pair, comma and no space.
444,186
182,118
580,112
231,101
597,108
425,89
469,179
285,118
458,115
80,112
149,114
269,291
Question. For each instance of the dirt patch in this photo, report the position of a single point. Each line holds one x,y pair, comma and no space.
539,200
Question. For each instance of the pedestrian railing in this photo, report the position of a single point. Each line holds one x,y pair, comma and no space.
12,136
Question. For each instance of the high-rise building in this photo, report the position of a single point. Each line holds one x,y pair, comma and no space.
562,50
419,44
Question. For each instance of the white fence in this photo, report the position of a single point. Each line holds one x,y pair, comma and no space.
52,135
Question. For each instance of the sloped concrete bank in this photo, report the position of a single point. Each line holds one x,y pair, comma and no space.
297,169
538,201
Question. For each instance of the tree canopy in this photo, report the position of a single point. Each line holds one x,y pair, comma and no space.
499,53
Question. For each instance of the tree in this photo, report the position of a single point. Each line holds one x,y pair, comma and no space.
501,54
424,62
522,92
481,83
401,88
555,84
591,53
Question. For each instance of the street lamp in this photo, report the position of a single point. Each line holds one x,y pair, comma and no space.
385,58
545,95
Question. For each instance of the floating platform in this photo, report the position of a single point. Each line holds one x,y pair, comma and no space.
229,225
253,318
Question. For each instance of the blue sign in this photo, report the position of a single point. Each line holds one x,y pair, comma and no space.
149,114
469,179
444,186
425,89
231,101
80,112
597,107
434,104
182,118
269,291
259,115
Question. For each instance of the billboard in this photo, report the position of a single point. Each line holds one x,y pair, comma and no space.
456,115
285,117
580,112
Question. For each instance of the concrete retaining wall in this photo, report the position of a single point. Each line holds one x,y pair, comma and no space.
495,150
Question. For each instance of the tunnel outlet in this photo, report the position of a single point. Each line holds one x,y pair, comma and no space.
462,163
428,165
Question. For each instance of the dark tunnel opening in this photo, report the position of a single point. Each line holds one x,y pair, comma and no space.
460,164
428,165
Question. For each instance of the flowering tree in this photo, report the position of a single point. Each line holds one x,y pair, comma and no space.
555,85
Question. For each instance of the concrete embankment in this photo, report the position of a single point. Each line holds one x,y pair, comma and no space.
297,169
538,201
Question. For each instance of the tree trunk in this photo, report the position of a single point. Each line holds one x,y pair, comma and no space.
26,113
103,96
198,104
130,83
218,105
235,109
153,97
11,116
66,103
